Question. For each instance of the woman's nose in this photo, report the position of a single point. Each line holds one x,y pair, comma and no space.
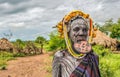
80,32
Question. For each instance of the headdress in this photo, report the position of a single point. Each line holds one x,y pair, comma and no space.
62,29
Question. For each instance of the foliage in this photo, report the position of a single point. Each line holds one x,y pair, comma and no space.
106,27
4,57
55,42
31,48
100,50
19,44
19,55
109,63
40,40
115,31
110,27
3,67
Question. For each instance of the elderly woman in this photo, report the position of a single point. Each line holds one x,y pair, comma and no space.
78,60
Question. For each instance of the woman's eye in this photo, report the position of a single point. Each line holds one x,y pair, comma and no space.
76,29
85,30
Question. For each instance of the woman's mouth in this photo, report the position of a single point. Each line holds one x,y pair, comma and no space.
80,38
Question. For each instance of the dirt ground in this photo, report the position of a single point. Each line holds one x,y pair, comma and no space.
32,66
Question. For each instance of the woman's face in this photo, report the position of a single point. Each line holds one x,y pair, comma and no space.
78,35
78,31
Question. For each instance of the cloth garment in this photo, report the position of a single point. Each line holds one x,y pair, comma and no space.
65,65
88,67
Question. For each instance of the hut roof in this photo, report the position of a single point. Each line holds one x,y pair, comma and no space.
5,44
104,40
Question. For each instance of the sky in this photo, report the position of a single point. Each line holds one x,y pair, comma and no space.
27,19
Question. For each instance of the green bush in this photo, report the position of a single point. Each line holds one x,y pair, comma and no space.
19,44
3,67
2,63
109,63
4,57
101,51
19,55
55,42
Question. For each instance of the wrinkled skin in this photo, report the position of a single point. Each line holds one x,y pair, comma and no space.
78,34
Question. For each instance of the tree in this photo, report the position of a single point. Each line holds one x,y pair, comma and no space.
107,26
101,28
115,31
55,42
19,44
41,40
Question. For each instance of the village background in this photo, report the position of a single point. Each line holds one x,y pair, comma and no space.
28,40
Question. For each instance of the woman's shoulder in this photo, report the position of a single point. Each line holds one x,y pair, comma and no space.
60,53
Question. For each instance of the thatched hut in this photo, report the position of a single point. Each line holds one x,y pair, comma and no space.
106,41
30,48
5,45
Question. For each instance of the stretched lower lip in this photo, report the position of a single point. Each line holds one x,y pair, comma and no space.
80,38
